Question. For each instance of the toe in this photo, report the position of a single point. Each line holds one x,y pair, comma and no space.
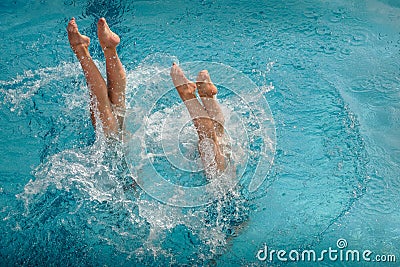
203,76
101,23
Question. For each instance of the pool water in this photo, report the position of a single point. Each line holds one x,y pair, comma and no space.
316,95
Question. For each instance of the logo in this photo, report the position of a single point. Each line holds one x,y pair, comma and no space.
340,253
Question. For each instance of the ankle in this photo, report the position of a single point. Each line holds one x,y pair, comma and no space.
80,49
205,94
185,96
82,53
110,52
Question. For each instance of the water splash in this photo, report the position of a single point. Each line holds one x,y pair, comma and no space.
87,194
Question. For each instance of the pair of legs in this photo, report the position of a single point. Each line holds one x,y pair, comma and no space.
107,99
207,118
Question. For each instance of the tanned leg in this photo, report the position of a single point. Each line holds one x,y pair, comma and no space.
116,76
207,92
202,122
98,89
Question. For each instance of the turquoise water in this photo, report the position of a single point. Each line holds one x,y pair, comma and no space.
325,75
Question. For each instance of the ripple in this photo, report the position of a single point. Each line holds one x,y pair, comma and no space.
307,50
343,53
298,64
362,85
384,86
337,15
306,28
387,85
358,37
376,91
68,2
377,118
379,205
329,50
328,47
382,36
276,42
311,14
285,42
331,173
335,18
323,30
339,11
380,198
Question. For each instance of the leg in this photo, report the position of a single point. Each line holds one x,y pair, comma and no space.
98,89
116,77
207,92
201,120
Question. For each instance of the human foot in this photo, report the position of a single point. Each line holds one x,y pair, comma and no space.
107,38
186,88
77,41
207,90
204,85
